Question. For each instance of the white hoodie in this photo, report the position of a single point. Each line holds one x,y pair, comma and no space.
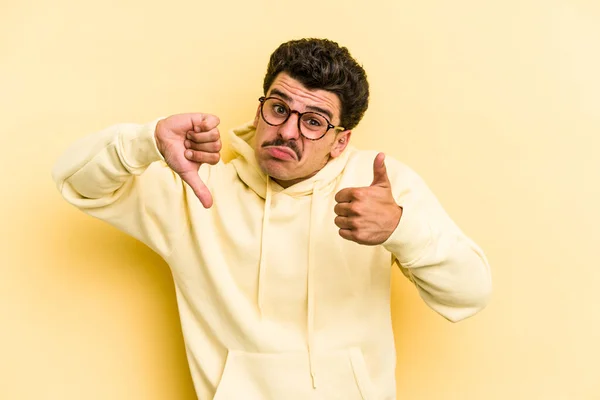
274,304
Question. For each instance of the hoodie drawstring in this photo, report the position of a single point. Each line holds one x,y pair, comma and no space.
263,243
310,316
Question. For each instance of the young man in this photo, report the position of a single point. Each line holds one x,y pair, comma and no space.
282,257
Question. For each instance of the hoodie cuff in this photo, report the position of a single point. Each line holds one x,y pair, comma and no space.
411,239
138,147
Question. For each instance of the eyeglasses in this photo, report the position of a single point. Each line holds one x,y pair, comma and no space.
311,125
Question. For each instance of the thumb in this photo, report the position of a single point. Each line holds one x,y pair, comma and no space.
200,190
380,177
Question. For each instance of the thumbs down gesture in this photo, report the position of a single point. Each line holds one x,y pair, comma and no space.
187,141
368,215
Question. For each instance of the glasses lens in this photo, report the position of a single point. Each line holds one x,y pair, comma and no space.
313,125
275,112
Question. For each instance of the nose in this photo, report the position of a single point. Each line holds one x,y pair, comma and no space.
289,130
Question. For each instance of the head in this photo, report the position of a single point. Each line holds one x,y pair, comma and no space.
316,76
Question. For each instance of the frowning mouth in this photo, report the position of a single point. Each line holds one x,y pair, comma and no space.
282,149
282,152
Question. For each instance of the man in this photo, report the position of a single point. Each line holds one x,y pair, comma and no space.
282,257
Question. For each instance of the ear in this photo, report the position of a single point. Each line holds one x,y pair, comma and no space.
256,117
341,141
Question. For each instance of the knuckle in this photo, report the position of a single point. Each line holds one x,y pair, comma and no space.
215,146
213,158
357,194
210,121
214,119
358,237
343,194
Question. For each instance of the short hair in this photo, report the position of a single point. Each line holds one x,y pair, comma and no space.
323,64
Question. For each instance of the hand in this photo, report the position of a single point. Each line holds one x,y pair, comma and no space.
186,141
368,215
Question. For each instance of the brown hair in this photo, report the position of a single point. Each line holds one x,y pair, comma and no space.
323,64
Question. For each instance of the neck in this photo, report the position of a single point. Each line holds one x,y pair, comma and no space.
287,183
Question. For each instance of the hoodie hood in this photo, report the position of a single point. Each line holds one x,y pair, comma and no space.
251,174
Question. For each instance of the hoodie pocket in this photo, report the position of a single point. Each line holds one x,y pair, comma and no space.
339,375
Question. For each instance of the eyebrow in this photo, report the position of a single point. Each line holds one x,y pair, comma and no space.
287,98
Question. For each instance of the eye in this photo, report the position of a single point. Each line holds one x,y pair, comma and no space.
279,109
314,122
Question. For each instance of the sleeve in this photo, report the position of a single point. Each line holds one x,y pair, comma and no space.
450,271
119,176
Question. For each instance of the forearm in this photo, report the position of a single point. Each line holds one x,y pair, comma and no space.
109,175
98,165
451,273
449,270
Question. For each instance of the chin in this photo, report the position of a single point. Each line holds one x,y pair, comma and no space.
278,170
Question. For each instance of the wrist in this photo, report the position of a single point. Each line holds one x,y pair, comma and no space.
394,216
157,140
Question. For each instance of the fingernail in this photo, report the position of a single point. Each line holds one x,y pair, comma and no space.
188,154
196,129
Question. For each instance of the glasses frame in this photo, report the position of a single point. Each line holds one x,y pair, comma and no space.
262,100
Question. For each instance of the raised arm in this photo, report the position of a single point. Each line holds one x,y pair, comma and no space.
399,212
132,176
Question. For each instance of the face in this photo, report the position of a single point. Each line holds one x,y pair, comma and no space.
281,151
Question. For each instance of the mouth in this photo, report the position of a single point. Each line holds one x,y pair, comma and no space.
282,153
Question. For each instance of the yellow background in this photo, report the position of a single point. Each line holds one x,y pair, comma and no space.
495,103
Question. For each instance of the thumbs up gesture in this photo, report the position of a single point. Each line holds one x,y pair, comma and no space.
368,215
